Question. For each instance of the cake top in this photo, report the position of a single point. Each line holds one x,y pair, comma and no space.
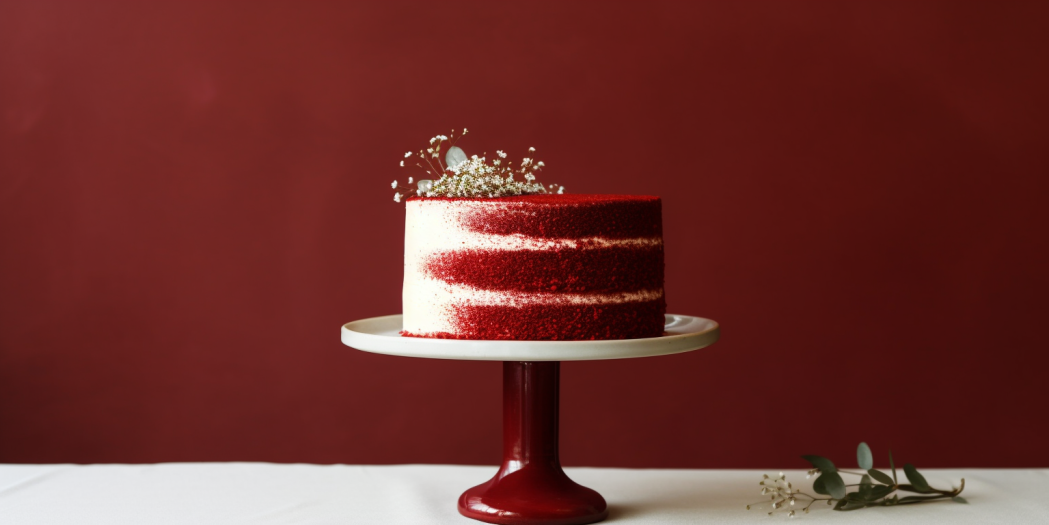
549,199
552,216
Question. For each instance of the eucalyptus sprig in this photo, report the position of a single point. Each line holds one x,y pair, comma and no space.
875,488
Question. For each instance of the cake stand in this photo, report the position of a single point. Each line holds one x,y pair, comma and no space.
530,487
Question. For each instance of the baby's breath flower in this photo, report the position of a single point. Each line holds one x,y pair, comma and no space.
394,185
472,177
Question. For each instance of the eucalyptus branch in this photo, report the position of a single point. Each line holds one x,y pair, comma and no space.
875,488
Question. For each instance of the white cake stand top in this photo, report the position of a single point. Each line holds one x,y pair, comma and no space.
381,335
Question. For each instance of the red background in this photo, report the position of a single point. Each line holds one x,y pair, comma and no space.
194,198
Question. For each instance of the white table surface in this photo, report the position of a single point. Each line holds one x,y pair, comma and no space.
264,493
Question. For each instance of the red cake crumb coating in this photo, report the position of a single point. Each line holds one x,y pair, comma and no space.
593,271
553,322
549,216
596,270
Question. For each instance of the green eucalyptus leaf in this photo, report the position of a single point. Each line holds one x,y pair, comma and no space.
865,483
833,483
864,457
853,504
822,463
454,157
893,467
881,477
959,499
917,499
841,503
878,491
915,478
819,488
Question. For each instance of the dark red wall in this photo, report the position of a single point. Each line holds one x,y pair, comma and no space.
194,198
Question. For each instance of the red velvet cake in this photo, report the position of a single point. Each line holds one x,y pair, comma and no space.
534,267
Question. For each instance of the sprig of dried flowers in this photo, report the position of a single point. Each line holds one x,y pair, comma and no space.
874,487
470,177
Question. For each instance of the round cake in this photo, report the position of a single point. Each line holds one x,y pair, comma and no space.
534,267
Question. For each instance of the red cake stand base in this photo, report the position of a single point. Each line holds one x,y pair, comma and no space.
530,487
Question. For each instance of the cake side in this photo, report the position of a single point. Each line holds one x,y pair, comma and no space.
537,267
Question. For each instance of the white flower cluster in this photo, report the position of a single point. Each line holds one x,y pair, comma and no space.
472,177
476,178
783,496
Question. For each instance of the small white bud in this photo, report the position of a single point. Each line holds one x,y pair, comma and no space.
394,185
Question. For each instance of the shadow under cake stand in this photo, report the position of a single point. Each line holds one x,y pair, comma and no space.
530,487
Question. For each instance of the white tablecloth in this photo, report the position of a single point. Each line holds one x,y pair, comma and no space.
262,493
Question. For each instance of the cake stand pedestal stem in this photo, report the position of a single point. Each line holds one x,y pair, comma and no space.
530,487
